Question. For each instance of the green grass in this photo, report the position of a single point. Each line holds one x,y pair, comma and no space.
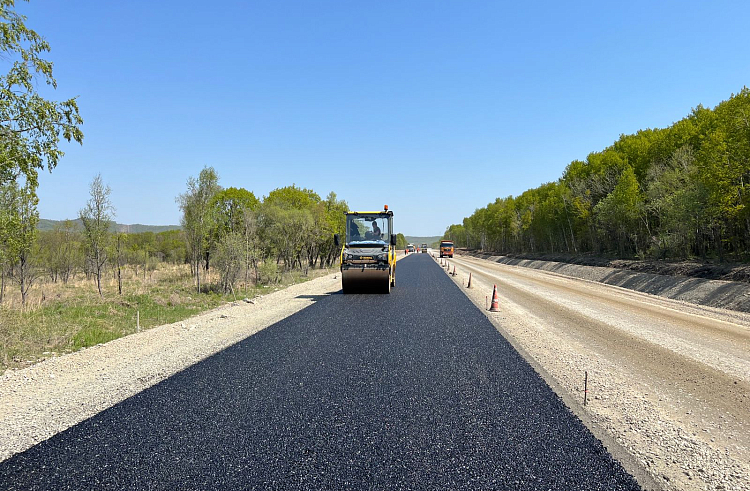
74,317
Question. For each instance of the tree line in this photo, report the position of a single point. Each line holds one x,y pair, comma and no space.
243,237
677,192
227,229
29,256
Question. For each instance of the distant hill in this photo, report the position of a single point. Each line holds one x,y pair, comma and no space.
136,228
430,241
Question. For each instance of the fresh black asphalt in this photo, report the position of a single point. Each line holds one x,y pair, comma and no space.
412,390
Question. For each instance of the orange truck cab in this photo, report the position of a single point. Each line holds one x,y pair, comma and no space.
446,248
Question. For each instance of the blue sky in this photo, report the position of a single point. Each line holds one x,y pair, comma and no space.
435,108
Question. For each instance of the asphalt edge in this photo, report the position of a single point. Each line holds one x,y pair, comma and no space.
628,461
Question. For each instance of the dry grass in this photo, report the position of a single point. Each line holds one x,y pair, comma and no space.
60,318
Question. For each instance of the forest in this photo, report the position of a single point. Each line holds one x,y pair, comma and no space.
672,193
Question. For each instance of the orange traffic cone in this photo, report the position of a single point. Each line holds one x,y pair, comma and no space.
495,307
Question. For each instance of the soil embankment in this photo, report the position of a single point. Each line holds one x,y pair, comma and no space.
721,286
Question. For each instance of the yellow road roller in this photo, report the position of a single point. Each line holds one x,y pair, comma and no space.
368,252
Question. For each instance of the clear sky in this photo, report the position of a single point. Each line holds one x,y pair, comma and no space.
434,107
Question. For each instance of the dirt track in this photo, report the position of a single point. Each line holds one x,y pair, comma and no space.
670,381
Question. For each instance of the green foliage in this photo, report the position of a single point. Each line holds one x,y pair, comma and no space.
291,228
292,197
18,220
231,205
296,227
268,272
61,251
30,125
169,246
229,260
96,218
401,242
676,192
199,218
9,224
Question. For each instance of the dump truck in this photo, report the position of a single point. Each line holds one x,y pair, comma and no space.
368,252
446,248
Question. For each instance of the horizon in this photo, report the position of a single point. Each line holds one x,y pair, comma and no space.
115,223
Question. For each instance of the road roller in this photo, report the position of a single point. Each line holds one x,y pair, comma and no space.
368,252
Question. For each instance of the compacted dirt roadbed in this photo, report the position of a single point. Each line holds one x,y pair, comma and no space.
669,380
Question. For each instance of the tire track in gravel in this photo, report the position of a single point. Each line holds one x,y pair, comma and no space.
716,397
730,327
412,390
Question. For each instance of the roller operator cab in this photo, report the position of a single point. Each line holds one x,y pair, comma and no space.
446,248
368,252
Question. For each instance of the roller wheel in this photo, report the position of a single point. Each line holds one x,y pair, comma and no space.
345,287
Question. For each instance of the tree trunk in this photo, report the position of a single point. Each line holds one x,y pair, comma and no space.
198,274
572,235
22,279
99,281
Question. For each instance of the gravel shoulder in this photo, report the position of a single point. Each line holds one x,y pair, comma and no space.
39,401
669,381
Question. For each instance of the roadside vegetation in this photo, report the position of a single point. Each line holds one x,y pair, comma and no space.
680,192
82,284
65,316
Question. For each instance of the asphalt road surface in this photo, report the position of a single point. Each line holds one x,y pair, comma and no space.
412,390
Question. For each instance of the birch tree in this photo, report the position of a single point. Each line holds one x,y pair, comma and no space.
199,218
18,221
97,217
